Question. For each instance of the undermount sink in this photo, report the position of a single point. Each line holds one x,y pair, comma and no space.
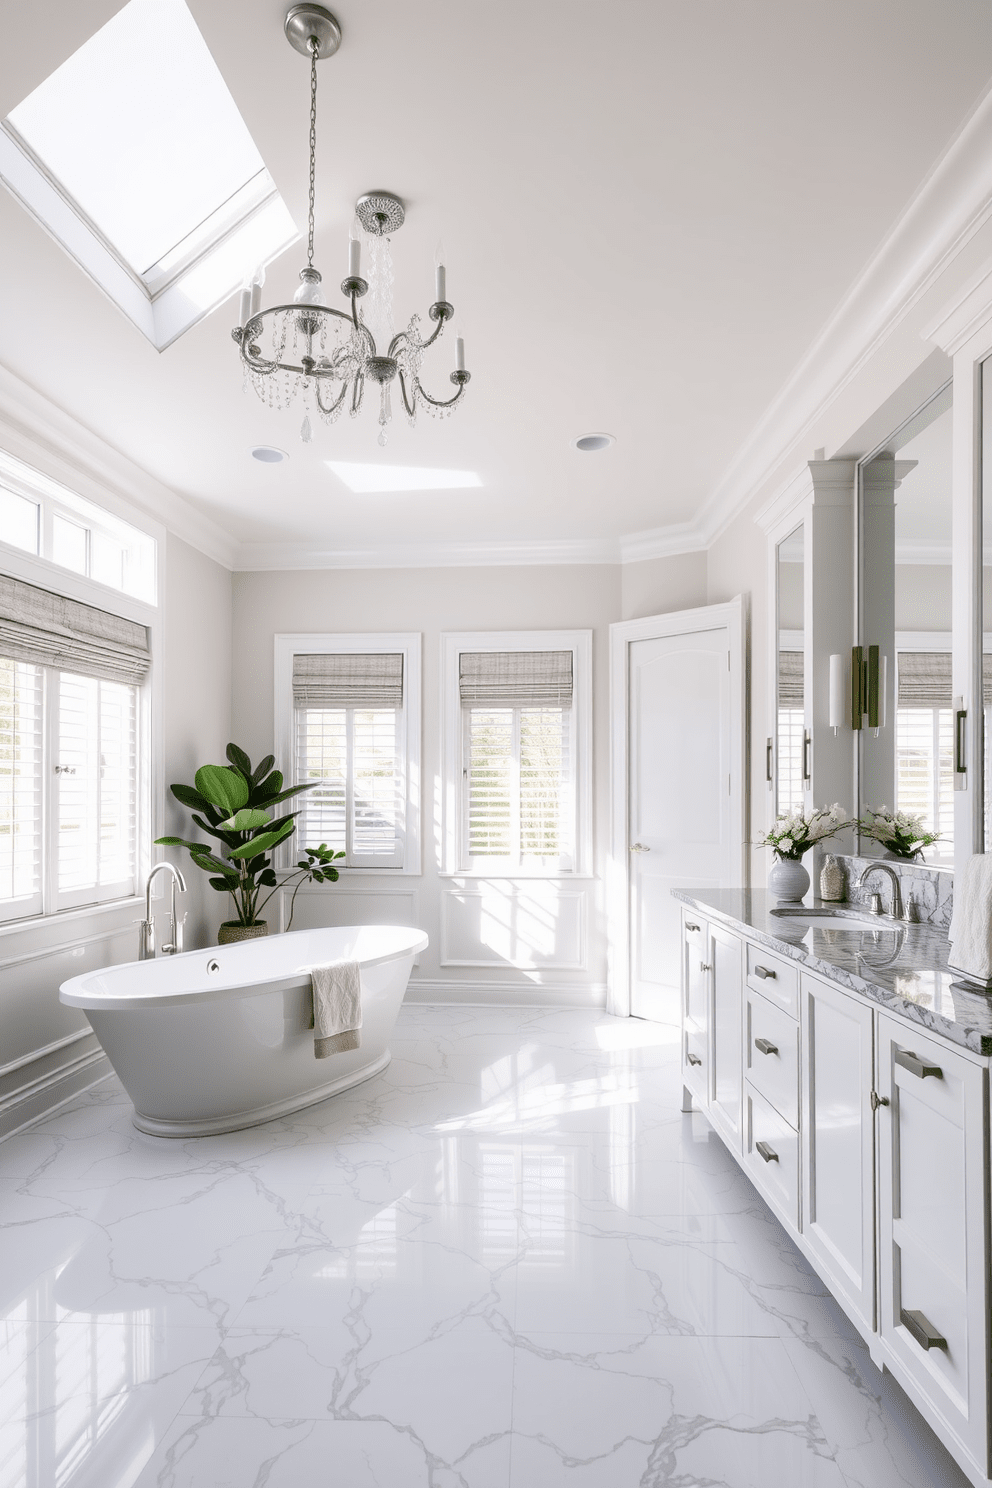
837,919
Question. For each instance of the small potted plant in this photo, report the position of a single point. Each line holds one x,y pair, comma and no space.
792,836
902,834
234,803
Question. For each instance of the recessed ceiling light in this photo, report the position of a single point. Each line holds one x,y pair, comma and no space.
589,442
372,478
267,454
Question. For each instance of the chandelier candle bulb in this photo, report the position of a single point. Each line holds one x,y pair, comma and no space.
245,310
836,706
460,354
255,298
440,275
354,258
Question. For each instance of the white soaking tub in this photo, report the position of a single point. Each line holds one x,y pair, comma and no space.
215,1040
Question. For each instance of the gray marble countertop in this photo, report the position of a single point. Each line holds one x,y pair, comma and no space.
901,967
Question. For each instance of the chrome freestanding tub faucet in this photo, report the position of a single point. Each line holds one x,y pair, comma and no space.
146,932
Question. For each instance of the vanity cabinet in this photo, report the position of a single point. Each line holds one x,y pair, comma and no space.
933,1233
869,1138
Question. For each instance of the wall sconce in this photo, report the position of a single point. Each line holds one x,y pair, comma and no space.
835,711
869,687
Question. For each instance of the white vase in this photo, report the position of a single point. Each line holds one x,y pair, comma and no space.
788,879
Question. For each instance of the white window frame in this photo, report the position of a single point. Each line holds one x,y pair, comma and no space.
150,771
453,643
409,644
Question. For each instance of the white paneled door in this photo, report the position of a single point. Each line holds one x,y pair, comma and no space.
678,775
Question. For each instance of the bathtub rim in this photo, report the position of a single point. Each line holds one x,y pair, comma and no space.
78,991
217,1126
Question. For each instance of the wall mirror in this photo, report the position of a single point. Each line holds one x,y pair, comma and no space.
790,740
904,707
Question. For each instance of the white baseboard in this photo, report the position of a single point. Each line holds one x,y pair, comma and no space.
45,1093
507,994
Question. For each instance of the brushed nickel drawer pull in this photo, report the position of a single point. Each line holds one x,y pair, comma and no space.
768,1153
919,1328
917,1066
692,1058
765,1046
764,971
693,928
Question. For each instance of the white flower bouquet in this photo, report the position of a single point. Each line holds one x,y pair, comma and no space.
792,835
900,831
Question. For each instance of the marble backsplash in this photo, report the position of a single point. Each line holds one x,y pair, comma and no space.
931,889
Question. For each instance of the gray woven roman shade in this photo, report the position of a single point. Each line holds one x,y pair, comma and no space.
342,680
50,630
790,679
925,679
515,679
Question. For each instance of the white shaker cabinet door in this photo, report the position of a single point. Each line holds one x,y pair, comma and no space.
726,1083
696,984
838,1148
932,1198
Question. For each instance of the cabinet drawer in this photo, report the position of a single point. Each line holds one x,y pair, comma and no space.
772,1064
772,1154
775,979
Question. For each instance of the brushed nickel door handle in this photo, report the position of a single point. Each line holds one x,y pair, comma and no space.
765,1046
768,1153
917,1066
693,1058
639,847
919,1328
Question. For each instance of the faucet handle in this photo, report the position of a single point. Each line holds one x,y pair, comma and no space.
875,904
146,939
909,910
177,937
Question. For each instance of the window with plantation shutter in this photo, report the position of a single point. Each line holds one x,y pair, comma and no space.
95,789
21,748
355,724
518,752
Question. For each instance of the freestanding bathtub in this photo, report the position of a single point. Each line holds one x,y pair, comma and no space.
215,1040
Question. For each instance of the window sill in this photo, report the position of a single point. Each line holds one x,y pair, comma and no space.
559,875
72,918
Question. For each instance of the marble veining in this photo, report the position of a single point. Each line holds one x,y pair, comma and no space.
902,967
931,889
509,1261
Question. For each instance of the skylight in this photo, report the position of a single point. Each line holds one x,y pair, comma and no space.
137,135
373,478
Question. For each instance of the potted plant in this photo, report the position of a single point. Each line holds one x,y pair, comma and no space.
234,803
792,836
902,834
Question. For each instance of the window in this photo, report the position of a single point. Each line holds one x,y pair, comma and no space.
69,683
134,156
42,517
791,731
925,745
517,752
348,711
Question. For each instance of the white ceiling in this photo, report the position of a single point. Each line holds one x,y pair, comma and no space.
649,211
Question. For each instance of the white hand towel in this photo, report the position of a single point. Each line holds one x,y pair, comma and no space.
337,1008
971,924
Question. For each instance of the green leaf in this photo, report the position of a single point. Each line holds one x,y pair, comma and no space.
270,786
247,820
263,842
170,842
207,861
239,760
263,769
222,786
229,839
294,790
223,885
187,796
268,879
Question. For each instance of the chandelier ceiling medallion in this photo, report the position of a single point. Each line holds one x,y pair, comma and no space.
323,354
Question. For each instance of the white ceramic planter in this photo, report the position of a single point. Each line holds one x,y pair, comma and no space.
788,880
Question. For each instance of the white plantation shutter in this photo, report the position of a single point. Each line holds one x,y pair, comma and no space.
96,790
359,805
21,745
518,771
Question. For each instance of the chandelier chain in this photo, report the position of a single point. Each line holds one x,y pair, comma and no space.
314,53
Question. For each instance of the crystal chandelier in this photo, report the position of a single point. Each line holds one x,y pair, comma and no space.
325,355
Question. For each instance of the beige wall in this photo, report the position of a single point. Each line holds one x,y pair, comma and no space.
196,708
433,601
660,585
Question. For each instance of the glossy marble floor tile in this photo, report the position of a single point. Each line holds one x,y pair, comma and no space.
508,1262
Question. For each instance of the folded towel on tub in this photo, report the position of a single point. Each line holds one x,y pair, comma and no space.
337,1008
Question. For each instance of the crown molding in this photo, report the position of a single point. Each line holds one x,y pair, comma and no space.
662,542
254,557
952,205
44,436
965,315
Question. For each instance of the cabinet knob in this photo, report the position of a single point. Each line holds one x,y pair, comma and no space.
706,966
919,1327
918,1067
765,1046
639,847
765,972
768,1153
878,1100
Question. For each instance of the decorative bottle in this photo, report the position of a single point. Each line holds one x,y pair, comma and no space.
831,880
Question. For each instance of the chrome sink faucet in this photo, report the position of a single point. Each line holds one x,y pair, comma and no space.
146,932
876,902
